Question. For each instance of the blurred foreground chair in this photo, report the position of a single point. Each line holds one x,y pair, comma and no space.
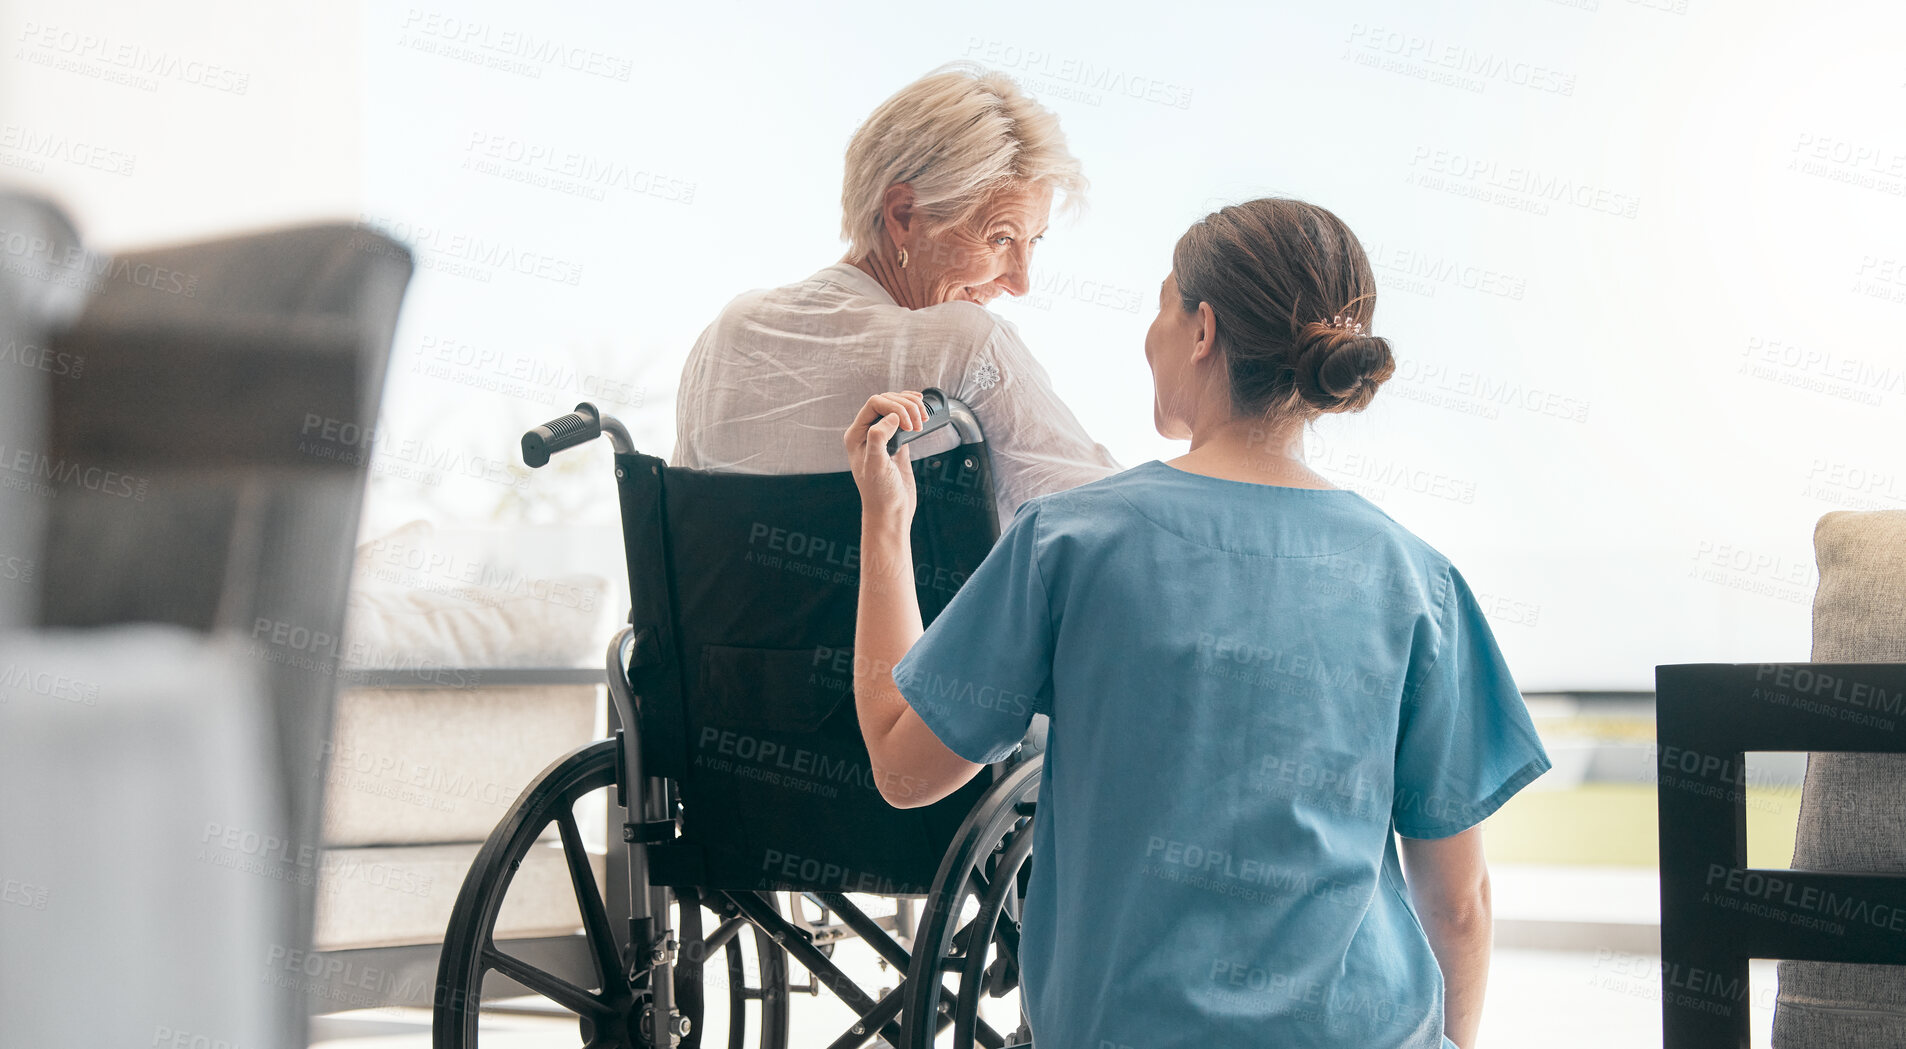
202,475
1838,919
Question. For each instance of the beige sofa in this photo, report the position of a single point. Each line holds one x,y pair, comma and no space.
457,686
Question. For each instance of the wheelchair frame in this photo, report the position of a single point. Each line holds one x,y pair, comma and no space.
645,995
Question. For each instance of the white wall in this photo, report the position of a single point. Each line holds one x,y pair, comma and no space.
158,121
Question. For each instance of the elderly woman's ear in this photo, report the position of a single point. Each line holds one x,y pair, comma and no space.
896,214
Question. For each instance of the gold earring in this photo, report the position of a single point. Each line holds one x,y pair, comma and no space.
903,258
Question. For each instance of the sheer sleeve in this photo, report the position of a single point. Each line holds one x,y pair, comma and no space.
1036,445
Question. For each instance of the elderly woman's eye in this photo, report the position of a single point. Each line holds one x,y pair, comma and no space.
1002,240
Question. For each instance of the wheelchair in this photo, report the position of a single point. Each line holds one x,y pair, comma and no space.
739,781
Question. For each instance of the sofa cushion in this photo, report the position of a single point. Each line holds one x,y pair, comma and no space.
1853,806
415,604
425,766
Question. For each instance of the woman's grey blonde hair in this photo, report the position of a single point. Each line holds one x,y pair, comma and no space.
956,135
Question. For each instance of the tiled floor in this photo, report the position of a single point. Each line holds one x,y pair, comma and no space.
1553,999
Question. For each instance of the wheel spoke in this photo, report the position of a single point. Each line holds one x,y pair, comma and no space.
595,918
549,985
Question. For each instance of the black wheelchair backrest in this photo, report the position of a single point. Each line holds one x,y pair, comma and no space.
744,590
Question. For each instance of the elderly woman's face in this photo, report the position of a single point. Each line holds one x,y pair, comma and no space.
987,255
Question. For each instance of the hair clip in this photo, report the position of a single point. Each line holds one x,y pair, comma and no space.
1341,321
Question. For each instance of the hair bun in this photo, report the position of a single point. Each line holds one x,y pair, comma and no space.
1338,369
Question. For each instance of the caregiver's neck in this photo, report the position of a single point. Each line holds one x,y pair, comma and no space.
1251,450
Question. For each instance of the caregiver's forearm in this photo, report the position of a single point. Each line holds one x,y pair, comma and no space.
886,626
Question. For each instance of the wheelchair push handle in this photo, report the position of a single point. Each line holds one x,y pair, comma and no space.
942,411
581,426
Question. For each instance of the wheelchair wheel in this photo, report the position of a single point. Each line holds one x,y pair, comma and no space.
969,928
593,980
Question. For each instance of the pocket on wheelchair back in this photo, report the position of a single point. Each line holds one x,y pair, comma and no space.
780,690
779,793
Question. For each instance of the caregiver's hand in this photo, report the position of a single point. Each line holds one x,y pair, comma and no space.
886,482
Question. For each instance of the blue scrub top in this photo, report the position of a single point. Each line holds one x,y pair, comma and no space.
1251,687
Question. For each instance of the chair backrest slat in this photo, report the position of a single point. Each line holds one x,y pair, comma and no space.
1717,912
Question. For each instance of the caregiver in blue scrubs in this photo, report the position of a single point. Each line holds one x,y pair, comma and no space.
1278,717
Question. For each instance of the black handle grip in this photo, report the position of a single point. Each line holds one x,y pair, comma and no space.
937,417
578,427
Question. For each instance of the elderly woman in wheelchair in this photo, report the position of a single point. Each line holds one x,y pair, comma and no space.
947,192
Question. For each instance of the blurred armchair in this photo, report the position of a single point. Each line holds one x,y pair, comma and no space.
179,510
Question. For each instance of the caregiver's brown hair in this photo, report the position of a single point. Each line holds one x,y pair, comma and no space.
1293,297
